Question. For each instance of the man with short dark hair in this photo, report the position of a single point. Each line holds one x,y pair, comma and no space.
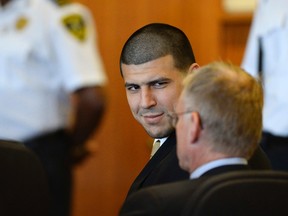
153,63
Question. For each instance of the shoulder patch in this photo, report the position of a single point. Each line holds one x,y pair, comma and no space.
75,25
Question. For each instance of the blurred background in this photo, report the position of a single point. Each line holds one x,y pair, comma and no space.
217,29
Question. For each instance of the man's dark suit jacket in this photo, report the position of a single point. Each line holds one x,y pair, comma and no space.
168,199
23,184
163,167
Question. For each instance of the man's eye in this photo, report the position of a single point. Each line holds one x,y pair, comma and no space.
160,84
132,87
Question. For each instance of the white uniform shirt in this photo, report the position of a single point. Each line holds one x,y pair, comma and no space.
41,63
271,24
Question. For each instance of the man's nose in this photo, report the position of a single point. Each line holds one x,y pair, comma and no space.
147,99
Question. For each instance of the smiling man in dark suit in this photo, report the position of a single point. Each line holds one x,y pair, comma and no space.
218,121
153,63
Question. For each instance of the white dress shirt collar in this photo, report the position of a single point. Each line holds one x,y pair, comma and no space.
217,163
162,140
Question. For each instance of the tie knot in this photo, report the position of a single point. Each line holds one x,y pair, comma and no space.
156,146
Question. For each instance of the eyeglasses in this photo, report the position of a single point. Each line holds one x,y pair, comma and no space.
174,117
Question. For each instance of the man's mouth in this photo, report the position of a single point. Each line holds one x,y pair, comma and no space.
152,118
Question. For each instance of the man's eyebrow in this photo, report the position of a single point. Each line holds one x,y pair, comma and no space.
151,82
129,84
161,79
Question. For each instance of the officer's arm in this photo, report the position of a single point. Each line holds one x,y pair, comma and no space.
89,105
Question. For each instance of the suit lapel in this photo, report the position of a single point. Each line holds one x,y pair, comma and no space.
162,152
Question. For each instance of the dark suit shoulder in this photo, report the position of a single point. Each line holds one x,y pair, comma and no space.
259,160
165,199
169,199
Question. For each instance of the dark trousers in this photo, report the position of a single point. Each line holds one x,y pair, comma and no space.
276,149
53,151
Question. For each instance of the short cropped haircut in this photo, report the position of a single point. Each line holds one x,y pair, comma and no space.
230,103
158,40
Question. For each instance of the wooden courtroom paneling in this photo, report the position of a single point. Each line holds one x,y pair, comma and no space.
120,148
234,32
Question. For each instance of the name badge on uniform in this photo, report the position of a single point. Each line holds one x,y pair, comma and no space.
75,25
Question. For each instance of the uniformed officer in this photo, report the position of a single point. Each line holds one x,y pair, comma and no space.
48,55
266,57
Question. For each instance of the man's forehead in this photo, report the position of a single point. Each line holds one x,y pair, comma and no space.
146,73
162,62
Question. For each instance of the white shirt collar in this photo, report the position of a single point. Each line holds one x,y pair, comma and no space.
162,140
217,163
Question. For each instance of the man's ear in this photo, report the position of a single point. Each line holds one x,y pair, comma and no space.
193,67
195,127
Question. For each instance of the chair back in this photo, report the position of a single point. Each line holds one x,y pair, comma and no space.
241,193
23,184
